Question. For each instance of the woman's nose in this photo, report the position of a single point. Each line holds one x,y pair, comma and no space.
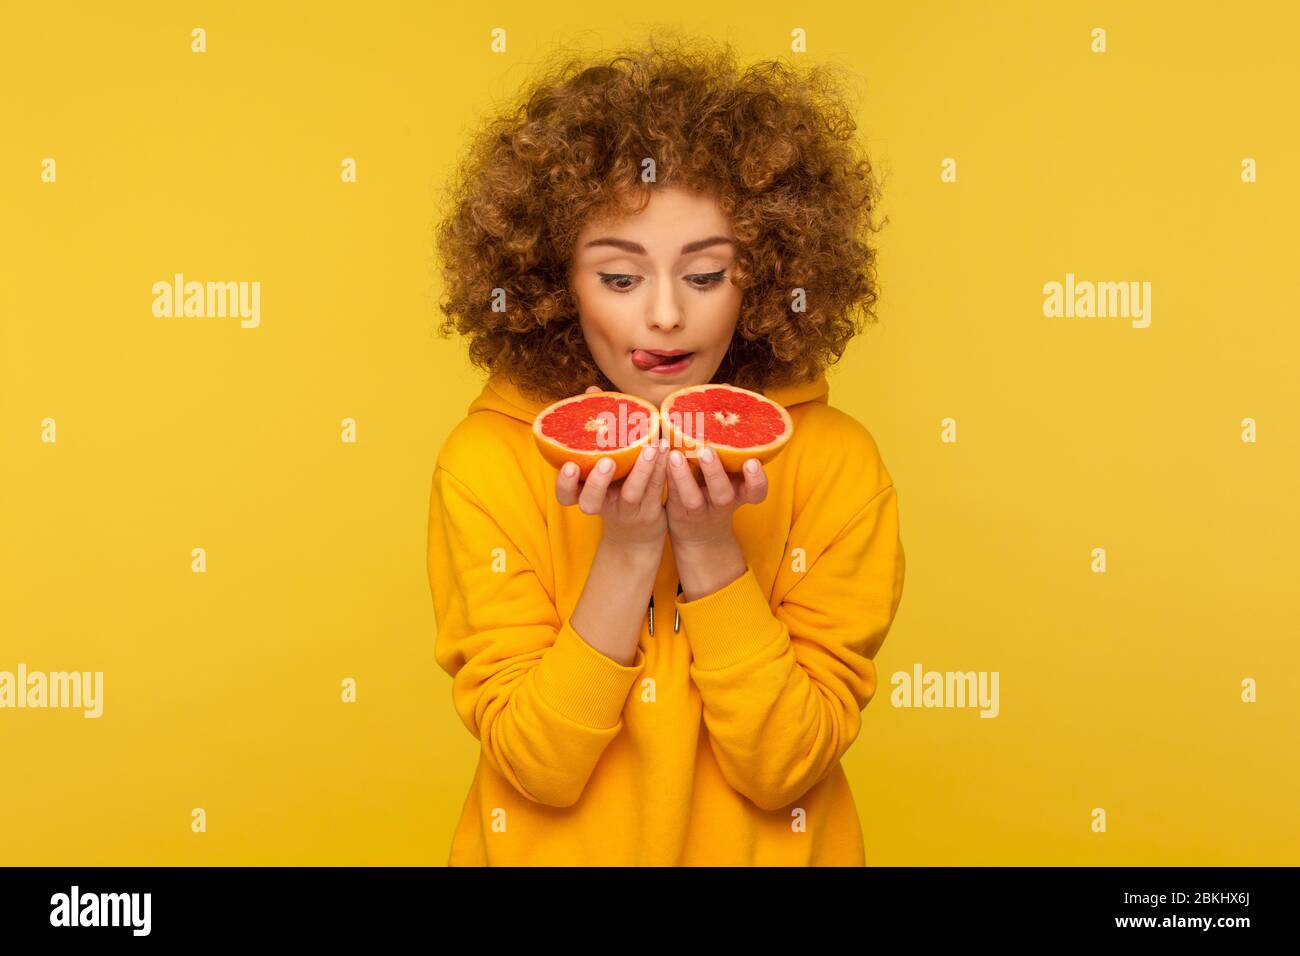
666,311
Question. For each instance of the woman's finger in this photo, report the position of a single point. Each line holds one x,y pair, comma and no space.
591,500
634,485
721,490
683,482
755,486
654,486
566,484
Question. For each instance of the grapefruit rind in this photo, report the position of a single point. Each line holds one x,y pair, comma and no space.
624,457
733,457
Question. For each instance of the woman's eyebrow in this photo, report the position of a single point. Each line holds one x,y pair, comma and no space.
636,247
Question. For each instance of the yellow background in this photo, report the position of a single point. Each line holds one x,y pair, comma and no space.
222,690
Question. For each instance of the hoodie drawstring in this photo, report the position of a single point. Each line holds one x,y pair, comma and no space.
677,619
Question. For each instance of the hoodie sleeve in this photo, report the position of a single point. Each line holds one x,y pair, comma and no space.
542,701
783,690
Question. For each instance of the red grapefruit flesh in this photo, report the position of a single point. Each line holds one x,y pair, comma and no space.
585,428
736,423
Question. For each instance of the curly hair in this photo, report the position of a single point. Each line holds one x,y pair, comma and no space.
773,144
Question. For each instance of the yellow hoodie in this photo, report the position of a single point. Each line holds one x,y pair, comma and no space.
720,744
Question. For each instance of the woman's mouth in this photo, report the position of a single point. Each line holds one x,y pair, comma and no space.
661,363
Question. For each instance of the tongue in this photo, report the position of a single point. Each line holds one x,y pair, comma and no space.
643,359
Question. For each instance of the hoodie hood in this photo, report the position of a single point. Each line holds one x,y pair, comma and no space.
500,395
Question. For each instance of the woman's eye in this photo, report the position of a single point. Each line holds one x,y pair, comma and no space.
710,279
625,283
612,280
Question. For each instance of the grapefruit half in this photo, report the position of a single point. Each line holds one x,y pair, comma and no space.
736,423
585,428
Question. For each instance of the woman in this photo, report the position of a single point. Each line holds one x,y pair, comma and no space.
661,202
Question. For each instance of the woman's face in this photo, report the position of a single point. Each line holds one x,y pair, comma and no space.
658,281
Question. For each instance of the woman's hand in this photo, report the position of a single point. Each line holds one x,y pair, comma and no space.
630,508
705,549
701,517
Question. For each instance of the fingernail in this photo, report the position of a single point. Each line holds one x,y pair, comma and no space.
648,453
676,458
706,454
751,466
569,469
606,465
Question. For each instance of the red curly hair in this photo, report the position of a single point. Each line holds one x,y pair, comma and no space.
773,144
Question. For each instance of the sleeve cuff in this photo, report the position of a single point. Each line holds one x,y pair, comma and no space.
583,684
731,624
